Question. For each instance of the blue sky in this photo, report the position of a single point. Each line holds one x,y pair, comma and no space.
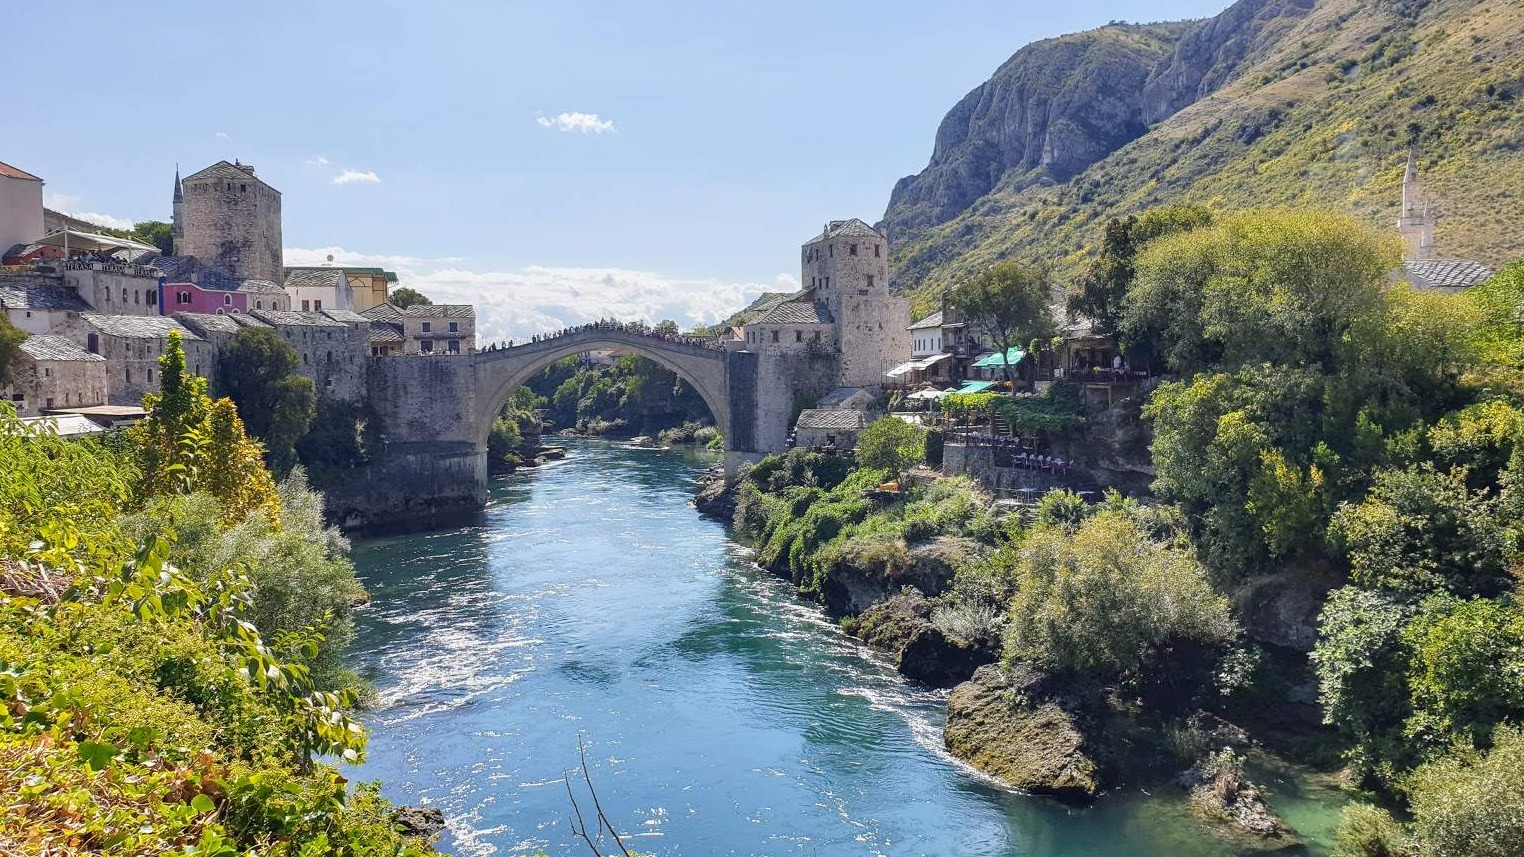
547,160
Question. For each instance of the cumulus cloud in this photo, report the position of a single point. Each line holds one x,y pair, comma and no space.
317,161
356,177
582,123
71,205
519,303
222,135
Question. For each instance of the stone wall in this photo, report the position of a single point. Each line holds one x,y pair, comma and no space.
39,385
429,462
115,290
235,223
783,380
132,363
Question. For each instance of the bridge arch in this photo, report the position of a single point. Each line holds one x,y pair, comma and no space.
500,372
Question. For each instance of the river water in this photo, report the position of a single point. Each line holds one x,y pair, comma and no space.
720,715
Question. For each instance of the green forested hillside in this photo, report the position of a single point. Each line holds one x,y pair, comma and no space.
1294,107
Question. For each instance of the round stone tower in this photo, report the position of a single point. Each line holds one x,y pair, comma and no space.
225,216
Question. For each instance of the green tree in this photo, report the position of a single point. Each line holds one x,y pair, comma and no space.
258,370
1362,666
1104,598
1466,670
1103,288
665,327
155,232
890,443
1289,287
11,338
1009,302
406,296
1422,531
1471,804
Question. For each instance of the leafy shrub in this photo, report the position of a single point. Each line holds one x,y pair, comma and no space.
1471,804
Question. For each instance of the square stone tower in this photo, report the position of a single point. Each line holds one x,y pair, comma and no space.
1416,222
847,267
226,217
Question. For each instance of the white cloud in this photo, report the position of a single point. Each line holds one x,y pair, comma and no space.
584,123
517,304
356,177
222,135
317,161
70,204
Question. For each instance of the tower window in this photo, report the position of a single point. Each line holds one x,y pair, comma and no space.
870,281
851,249
775,336
831,250
875,251
798,336
243,188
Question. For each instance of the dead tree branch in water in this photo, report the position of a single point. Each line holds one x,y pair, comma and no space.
579,823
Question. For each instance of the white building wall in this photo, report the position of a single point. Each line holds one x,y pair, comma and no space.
20,211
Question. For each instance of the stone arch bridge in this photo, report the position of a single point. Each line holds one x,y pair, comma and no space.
433,415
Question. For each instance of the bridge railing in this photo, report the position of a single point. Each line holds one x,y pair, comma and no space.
606,327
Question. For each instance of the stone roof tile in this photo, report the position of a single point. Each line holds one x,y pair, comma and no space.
41,295
295,319
44,346
313,278
853,228
933,320
1446,273
797,312
138,326
263,287
383,331
831,418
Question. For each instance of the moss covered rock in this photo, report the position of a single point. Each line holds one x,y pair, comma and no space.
1003,722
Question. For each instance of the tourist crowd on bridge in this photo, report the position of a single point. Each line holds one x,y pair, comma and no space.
638,328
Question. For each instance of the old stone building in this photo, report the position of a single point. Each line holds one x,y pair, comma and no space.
131,345
317,289
263,294
426,328
333,350
39,303
847,266
226,217
114,288
54,372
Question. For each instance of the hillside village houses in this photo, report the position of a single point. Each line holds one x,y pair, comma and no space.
100,307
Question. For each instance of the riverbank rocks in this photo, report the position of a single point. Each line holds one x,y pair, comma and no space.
716,498
922,651
1222,795
420,821
860,573
1004,722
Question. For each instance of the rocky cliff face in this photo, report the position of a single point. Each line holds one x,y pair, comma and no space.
1050,111
1270,103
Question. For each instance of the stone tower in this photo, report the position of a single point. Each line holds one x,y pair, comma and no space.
847,267
1416,222
226,217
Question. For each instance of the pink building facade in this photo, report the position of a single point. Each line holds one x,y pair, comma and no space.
189,297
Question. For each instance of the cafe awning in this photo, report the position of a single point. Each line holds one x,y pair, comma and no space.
926,395
996,359
902,369
975,386
92,242
928,362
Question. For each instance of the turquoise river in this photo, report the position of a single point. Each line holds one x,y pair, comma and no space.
721,715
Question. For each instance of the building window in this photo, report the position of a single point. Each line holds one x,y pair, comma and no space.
875,251
93,343
306,306
124,296
182,298
329,357
798,336
426,346
851,249
317,305
427,327
47,372
150,376
128,373
243,188
817,336
151,297
775,336
259,304
831,250
455,346
828,282
455,327
870,281
50,402
227,300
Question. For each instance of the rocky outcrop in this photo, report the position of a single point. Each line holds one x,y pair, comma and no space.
922,651
421,821
863,572
1282,609
1006,723
716,498
1222,795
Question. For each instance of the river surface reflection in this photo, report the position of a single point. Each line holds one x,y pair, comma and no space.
721,715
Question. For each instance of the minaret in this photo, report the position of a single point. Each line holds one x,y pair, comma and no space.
176,222
1416,222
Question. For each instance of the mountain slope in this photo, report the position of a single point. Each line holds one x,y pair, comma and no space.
1273,102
